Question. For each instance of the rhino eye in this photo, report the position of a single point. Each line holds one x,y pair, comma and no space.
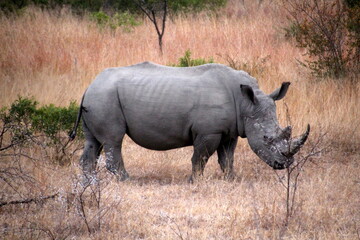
268,139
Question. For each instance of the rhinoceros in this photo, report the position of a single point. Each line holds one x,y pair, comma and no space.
161,108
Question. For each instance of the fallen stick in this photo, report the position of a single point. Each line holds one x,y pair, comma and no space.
29,200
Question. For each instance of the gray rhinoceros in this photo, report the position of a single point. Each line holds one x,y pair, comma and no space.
163,108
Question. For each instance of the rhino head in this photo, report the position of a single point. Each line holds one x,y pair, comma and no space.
266,138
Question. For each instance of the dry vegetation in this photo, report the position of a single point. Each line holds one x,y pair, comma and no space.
54,56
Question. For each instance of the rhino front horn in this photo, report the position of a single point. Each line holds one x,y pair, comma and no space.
297,143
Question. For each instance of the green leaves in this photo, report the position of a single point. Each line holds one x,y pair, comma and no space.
195,5
79,6
124,20
22,110
52,120
25,121
187,61
327,31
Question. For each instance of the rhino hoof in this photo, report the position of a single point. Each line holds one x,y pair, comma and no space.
229,177
123,177
191,180
88,179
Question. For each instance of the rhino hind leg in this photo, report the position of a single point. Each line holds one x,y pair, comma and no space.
204,147
89,157
225,153
114,161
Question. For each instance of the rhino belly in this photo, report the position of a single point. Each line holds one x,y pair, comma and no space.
159,133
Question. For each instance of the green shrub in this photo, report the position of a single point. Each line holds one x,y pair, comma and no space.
80,6
101,18
25,125
187,61
125,20
22,110
329,30
55,121
16,122
186,6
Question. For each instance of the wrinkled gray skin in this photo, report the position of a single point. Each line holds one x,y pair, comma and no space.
163,108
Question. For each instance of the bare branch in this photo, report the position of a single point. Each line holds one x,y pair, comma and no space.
29,200
151,12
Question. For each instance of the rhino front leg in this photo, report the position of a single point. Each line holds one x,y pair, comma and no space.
204,147
114,161
225,153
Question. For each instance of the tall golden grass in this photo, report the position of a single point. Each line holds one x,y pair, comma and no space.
54,55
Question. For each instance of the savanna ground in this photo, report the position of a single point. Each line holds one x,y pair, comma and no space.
54,55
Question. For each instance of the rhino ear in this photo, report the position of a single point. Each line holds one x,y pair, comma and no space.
280,92
248,93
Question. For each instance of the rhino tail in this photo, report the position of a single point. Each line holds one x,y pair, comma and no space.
72,134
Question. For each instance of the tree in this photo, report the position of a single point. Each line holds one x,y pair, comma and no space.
156,11
329,31
105,12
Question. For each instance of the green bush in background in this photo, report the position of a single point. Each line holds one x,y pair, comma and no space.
16,123
124,20
187,61
55,122
329,31
24,124
80,6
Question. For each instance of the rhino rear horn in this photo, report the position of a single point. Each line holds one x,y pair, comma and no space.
297,143
286,133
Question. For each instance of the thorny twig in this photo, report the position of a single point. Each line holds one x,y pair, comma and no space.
96,189
294,170
176,230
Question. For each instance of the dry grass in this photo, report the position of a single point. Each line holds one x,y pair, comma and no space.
158,203
54,56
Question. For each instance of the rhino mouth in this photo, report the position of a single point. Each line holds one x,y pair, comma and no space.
283,148
278,166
